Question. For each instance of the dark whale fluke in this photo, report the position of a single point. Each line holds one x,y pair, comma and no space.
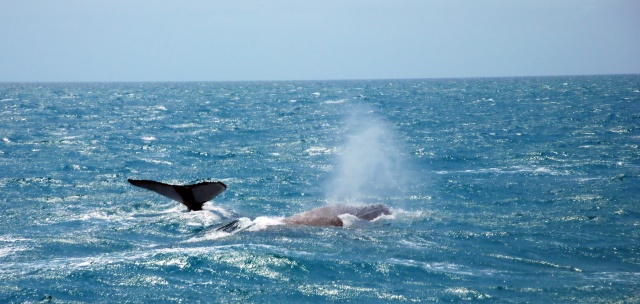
329,215
192,196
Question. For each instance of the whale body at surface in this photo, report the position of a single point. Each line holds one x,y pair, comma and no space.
330,215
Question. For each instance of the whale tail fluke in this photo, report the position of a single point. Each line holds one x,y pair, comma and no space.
192,196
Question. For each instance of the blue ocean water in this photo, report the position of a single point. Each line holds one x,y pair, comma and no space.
504,190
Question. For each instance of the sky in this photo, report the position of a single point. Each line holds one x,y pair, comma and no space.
211,40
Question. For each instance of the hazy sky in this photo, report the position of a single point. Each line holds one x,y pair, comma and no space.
185,40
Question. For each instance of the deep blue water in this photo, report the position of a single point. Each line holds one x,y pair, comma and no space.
504,190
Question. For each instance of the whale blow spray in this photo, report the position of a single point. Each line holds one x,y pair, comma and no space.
370,166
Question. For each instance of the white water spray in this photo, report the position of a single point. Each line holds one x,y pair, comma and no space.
370,167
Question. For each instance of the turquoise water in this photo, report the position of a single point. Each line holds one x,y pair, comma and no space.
503,190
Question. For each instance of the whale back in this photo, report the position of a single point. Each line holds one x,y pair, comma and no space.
372,212
329,215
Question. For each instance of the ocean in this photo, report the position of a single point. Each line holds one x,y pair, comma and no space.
502,190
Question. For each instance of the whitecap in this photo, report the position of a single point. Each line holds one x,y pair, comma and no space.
620,130
226,213
318,151
159,162
416,245
99,215
341,292
443,267
335,101
543,170
536,262
588,179
402,214
214,235
184,125
174,208
9,250
467,294
509,170
12,239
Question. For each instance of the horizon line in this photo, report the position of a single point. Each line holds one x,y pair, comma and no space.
317,80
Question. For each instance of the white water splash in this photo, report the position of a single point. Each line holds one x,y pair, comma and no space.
264,222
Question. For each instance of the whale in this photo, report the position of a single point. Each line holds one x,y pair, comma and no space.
194,196
330,215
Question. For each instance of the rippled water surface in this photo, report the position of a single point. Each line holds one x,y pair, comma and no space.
502,190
